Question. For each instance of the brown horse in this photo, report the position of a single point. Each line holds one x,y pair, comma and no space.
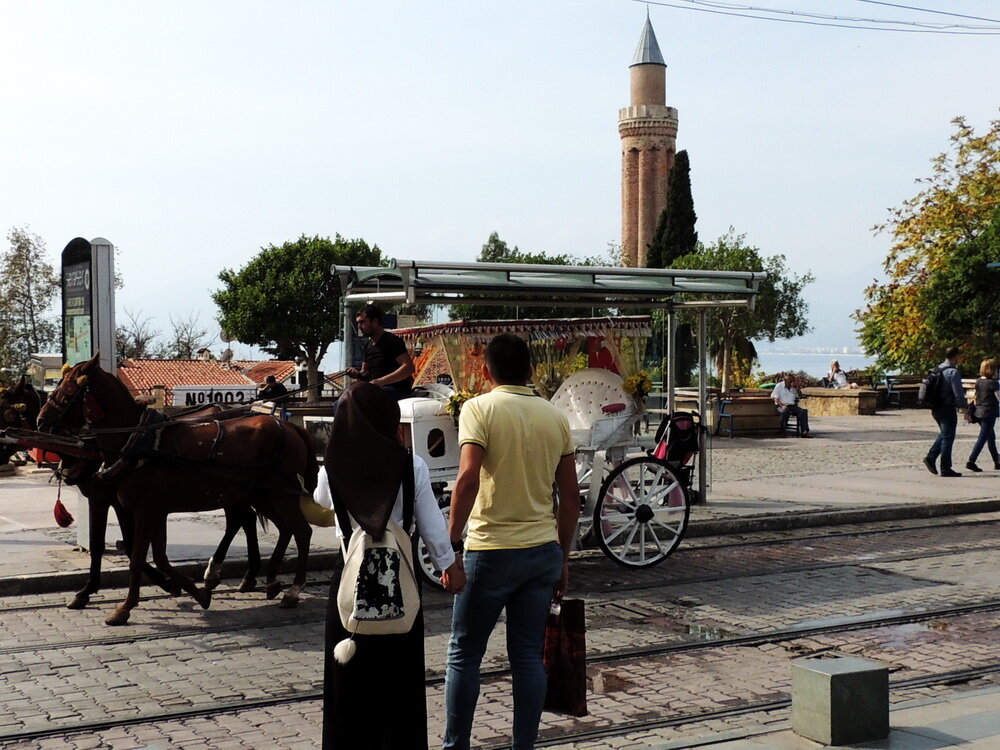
187,467
19,408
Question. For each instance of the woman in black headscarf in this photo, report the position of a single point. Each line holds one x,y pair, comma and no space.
376,700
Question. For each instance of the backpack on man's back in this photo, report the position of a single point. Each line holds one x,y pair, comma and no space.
930,395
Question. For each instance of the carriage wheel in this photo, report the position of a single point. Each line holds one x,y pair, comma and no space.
584,476
641,513
424,564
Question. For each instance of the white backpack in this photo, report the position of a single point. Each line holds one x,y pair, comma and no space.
378,592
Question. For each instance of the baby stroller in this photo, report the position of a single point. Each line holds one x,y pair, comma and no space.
644,503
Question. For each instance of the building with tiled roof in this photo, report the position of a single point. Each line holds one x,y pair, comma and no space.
141,375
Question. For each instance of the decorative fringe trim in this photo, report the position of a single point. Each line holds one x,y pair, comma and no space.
344,651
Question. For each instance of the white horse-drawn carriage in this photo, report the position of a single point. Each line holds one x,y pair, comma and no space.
634,502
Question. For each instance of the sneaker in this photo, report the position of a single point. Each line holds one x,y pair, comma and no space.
949,473
930,465
972,467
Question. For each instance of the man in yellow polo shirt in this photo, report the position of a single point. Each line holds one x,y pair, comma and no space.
514,446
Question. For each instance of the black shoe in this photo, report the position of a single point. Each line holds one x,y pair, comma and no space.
806,434
949,473
930,465
972,467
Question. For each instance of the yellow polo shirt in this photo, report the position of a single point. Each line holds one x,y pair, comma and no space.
524,437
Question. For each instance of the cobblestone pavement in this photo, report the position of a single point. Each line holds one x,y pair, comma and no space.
60,667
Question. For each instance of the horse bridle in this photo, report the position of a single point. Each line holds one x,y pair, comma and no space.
65,396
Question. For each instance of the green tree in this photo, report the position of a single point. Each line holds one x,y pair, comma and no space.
907,321
780,310
28,288
285,299
497,251
675,234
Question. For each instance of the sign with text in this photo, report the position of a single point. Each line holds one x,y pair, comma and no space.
88,295
223,395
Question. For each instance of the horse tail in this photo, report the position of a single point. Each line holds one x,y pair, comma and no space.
311,477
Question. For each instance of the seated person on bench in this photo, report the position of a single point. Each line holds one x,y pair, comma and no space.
785,395
837,378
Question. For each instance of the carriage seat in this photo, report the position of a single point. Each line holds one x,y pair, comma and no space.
599,410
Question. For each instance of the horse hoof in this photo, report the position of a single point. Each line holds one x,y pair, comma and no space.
118,617
176,589
290,600
78,602
213,574
204,598
272,589
247,584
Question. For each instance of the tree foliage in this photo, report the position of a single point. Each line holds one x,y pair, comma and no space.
938,291
285,299
780,311
497,251
29,286
675,234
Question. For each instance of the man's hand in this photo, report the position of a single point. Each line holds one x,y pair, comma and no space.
376,381
352,372
453,579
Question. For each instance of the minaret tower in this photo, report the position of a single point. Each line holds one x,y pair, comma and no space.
648,129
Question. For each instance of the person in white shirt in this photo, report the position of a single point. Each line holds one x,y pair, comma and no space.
837,378
785,395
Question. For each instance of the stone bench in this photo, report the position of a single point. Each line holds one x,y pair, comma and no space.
840,402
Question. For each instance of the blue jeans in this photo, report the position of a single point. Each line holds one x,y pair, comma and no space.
987,437
521,580
947,421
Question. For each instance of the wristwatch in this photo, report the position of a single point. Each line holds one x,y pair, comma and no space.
458,547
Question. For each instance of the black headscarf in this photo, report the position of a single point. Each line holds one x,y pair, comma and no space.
364,458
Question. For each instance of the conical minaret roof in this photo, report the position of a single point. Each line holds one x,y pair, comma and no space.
648,51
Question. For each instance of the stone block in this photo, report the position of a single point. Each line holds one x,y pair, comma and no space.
840,700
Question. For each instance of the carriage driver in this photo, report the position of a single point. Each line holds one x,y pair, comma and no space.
386,364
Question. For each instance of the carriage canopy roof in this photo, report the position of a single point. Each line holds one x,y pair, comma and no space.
442,283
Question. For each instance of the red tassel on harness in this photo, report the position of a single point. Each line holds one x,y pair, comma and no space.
63,517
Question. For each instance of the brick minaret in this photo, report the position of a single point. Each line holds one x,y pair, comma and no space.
648,129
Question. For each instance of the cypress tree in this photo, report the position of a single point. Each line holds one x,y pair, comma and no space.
675,234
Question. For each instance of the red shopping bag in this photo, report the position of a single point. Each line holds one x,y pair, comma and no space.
566,660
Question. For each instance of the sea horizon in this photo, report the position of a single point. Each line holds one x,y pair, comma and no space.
815,364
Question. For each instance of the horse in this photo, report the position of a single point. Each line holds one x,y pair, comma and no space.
189,466
19,408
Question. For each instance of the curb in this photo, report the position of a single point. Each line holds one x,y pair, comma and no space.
806,519
118,577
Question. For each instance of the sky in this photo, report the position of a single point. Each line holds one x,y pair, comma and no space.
192,134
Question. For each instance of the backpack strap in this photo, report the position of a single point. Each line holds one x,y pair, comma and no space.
409,493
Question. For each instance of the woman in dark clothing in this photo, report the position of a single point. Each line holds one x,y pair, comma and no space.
987,410
377,699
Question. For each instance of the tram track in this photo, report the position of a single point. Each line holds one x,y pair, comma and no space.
689,547
619,655
598,591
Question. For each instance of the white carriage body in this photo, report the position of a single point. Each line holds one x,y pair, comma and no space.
431,432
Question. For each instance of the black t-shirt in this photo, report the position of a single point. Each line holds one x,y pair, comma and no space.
273,390
381,357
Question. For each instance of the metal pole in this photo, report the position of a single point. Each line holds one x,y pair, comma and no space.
702,406
345,351
668,372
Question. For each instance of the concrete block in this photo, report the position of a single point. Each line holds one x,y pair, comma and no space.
840,700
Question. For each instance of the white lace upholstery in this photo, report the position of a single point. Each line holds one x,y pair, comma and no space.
583,396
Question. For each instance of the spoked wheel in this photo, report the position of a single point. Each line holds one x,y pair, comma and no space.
584,476
424,563
641,513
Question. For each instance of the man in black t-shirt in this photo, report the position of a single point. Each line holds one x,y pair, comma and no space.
387,363
272,389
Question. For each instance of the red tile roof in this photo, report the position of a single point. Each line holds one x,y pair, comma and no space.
140,375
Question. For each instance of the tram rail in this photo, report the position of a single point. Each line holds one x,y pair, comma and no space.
618,655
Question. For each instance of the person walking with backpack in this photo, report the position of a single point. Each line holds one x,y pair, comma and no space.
945,397
986,413
514,446
373,693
